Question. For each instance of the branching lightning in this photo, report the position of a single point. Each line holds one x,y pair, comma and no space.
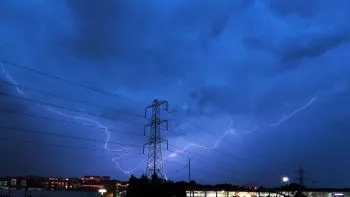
11,80
115,160
123,151
286,117
117,153
180,151
232,131
229,131
99,125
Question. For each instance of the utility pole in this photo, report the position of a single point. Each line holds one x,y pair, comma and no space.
155,160
189,169
301,176
313,182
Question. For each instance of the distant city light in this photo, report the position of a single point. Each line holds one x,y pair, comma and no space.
285,179
338,194
102,191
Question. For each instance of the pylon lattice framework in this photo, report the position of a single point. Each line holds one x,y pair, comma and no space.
155,160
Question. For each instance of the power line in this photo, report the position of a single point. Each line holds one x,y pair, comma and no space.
70,99
68,122
181,168
69,81
202,129
209,148
204,171
209,161
86,149
61,135
206,131
64,107
205,160
81,148
59,145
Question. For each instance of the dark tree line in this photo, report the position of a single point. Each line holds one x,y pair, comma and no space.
155,187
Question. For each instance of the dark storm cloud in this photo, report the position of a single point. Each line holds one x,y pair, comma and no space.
304,46
221,20
222,99
127,34
297,7
98,27
161,36
312,45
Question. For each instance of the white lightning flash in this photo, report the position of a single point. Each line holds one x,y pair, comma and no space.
123,151
180,151
232,131
286,117
115,160
229,131
12,81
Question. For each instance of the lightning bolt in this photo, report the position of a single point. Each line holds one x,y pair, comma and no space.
125,151
91,121
11,80
229,131
115,160
122,151
286,117
180,151
232,131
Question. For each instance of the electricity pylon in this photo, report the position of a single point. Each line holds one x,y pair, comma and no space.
155,160
301,176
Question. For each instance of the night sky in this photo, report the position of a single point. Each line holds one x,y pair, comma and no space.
256,89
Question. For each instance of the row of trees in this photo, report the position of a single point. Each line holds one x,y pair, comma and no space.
156,187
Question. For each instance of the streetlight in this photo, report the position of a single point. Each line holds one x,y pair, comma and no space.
102,191
285,179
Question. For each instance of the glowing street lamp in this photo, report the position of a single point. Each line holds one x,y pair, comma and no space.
285,179
102,191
